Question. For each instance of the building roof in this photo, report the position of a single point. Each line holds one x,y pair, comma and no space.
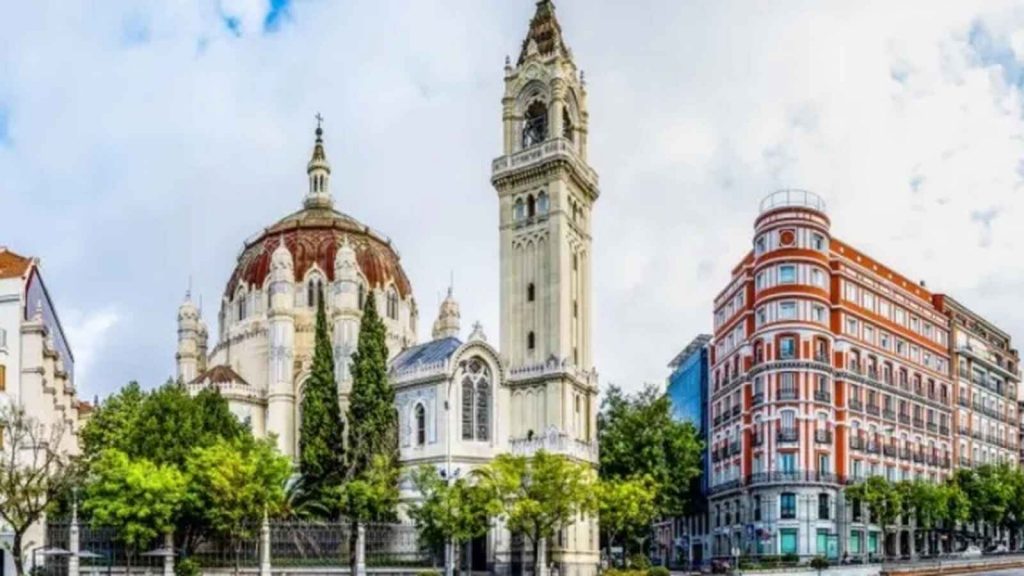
12,265
219,374
697,343
425,354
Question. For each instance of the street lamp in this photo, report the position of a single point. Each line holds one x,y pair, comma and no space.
449,476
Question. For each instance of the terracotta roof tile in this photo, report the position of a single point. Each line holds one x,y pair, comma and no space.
13,265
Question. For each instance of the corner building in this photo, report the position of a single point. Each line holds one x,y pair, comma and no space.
828,367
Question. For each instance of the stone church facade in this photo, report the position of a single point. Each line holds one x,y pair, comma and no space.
461,402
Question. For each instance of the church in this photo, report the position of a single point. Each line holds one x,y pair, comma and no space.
461,400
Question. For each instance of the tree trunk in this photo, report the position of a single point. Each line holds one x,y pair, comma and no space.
19,561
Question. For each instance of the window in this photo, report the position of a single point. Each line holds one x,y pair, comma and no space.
787,540
873,543
787,348
531,292
855,541
822,541
421,425
818,313
542,203
483,410
535,124
818,242
531,341
823,507
392,304
362,296
787,506
817,278
476,401
787,274
762,316
241,307
467,408
824,464
787,310
519,210
759,246
757,508
787,460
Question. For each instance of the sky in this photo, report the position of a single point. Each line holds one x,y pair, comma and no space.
142,141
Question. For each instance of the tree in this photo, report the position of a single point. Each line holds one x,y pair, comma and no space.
539,496
136,497
626,507
453,512
372,417
639,437
112,421
883,500
372,496
234,483
33,470
322,435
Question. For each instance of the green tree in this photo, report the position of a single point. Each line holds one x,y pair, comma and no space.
322,435
450,511
626,508
883,500
373,496
112,421
33,470
372,417
639,437
539,496
233,483
138,498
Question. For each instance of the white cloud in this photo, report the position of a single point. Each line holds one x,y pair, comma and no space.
89,333
146,141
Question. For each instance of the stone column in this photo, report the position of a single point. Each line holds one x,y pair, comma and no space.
265,547
361,551
74,543
169,558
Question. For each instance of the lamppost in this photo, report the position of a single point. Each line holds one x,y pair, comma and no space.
449,477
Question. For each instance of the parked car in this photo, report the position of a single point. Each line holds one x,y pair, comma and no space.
971,551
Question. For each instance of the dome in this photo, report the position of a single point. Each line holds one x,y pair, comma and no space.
313,236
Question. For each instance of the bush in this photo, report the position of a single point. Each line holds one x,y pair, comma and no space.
819,563
187,567
639,561
620,572
790,559
658,571
428,573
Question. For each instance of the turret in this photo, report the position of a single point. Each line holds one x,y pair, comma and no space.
188,340
447,323
281,349
319,170
346,314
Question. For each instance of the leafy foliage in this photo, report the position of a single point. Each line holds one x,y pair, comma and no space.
371,414
372,496
626,506
639,437
458,511
137,497
322,435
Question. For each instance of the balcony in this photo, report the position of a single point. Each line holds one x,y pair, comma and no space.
918,457
889,414
823,436
757,399
734,448
918,423
787,435
736,410
856,443
787,394
933,427
964,402
822,357
792,198
905,453
856,404
904,418
872,447
944,430
757,440
557,149
889,450
555,442
822,396
873,409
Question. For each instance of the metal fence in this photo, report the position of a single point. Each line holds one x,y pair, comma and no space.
291,544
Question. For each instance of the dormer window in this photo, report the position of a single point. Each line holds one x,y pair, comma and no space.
535,124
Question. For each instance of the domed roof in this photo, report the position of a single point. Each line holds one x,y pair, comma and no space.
313,236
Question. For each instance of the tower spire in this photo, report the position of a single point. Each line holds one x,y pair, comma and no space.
545,34
319,171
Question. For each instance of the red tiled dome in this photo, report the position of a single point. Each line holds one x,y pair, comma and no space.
312,235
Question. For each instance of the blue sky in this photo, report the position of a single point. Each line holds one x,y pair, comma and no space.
142,141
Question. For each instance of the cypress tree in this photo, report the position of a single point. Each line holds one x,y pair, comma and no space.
371,413
322,435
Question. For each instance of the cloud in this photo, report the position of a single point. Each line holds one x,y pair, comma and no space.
141,142
89,333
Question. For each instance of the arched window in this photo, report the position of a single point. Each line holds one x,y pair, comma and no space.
531,206
519,210
483,409
314,288
421,425
531,292
476,401
542,203
531,341
392,304
241,306
535,124
467,408
567,128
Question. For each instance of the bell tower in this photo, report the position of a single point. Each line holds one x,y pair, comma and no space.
546,192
